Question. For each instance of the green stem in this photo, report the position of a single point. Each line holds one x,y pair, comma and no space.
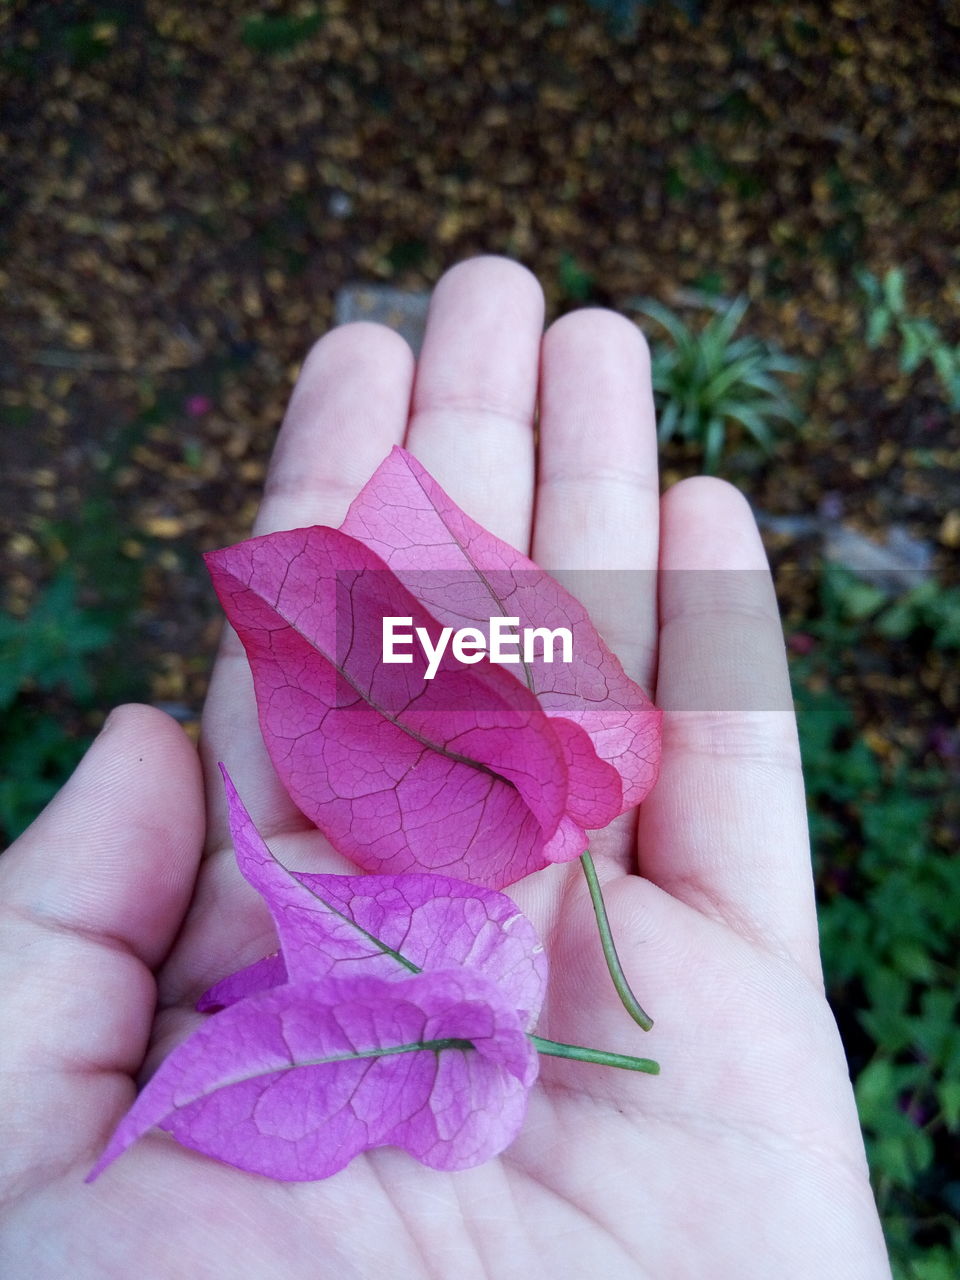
558,1050
627,998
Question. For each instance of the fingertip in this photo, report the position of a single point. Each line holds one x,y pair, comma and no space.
704,491
347,410
491,271
140,734
142,718
475,392
707,523
600,327
360,339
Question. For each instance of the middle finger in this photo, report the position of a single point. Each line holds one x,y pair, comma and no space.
475,393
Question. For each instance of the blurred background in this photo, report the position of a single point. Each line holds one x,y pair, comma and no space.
190,194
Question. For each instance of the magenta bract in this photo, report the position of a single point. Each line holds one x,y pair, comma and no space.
472,770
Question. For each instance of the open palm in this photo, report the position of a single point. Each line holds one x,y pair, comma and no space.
742,1159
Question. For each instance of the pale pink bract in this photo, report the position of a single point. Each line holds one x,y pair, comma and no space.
396,1013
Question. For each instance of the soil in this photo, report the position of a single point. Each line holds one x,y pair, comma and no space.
185,188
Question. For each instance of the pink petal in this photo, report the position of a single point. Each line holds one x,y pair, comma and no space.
260,976
288,1083
382,925
197,405
463,771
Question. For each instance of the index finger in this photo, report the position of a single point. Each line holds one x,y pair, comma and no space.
348,409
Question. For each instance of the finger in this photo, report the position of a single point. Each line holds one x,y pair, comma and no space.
475,394
598,500
91,897
349,408
725,828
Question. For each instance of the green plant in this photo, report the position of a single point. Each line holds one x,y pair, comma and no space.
50,651
576,282
708,381
889,900
928,614
920,338
63,662
51,646
929,607
279,33
38,756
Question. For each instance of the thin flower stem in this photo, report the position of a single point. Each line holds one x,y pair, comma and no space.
627,998
558,1050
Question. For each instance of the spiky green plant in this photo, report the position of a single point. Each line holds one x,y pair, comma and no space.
707,381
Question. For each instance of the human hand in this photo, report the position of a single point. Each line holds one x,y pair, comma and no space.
742,1159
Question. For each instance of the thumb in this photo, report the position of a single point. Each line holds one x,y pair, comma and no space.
91,898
